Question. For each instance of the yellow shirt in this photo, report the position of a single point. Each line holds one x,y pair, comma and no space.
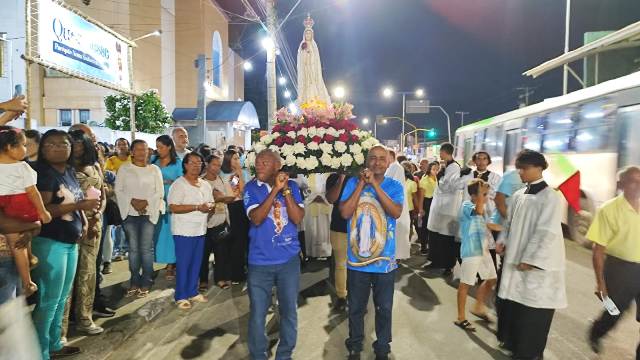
617,227
113,163
411,188
428,186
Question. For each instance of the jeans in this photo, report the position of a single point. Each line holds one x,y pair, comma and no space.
9,279
188,261
359,286
261,280
54,276
121,240
139,231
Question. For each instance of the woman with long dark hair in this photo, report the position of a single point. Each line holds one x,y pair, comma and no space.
171,168
56,246
428,184
232,174
84,159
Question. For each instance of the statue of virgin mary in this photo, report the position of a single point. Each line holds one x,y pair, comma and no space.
310,82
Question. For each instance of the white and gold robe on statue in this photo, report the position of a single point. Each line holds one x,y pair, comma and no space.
317,217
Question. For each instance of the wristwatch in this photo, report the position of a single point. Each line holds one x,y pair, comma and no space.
286,192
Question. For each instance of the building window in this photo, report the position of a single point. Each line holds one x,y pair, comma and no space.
85,116
216,60
65,117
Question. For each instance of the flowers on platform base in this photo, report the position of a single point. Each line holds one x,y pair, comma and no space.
321,139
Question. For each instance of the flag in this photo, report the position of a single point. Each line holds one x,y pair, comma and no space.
568,178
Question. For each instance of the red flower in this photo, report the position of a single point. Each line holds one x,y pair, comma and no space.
302,139
343,137
279,141
288,140
329,138
354,138
289,127
317,139
276,128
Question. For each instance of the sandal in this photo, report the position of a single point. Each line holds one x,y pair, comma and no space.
223,285
203,287
183,304
132,291
199,298
482,316
142,293
465,325
170,275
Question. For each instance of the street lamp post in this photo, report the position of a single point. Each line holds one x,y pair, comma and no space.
387,92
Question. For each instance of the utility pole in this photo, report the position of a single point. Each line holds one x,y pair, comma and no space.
271,62
462,114
526,92
565,71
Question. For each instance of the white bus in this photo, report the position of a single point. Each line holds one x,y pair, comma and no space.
596,130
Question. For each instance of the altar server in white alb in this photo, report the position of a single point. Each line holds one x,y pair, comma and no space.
533,274
443,216
403,225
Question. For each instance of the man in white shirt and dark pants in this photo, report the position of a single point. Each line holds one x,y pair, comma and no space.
403,224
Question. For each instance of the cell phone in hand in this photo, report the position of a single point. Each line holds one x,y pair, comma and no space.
235,181
18,90
609,305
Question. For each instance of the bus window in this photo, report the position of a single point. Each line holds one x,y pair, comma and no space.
458,146
468,149
479,140
630,133
594,128
511,148
493,140
533,133
559,132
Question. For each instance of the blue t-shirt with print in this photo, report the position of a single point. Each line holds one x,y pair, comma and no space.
275,241
509,184
371,232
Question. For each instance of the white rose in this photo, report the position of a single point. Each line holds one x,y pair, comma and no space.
326,147
312,131
290,160
300,162
299,148
274,148
286,150
355,148
267,139
313,145
322,131
312,163
251,159
332,131
335,163
291,134
346,160
303,132
340,146
369,143
359,158
259,147
325,159
341,131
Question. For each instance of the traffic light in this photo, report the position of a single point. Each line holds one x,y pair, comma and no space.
431,134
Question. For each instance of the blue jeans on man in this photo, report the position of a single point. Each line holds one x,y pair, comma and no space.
140,231
359,286
261,280
9,279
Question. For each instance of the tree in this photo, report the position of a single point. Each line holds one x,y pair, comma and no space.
151,114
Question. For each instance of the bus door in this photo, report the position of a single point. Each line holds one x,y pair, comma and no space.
511,148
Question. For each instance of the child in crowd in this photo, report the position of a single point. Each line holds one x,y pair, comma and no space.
475,233
19,198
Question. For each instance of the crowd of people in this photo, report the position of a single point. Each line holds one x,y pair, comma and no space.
70,206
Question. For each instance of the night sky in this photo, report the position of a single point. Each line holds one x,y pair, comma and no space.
468,54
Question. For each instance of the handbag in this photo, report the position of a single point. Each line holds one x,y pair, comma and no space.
223,233
112,213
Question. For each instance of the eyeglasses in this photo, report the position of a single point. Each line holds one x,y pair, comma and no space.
63,145
199,163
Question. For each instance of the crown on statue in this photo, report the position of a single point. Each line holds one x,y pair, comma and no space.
308,22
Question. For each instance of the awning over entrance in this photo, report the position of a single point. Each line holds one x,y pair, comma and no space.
623,38
242,112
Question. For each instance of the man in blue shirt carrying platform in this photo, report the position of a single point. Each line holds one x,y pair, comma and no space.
274,206
371,203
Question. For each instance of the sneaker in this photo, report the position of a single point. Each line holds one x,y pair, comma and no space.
118,257
63,340
340,304
106,268
64,352
103,313
92,329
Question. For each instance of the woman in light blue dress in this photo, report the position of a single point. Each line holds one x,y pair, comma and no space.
171,167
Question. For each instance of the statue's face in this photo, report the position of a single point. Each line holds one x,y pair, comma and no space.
308,35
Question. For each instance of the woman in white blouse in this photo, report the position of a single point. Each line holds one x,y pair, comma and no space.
190,200
139,192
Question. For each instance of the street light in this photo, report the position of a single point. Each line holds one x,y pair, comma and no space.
384,121
339,92
287,94
419,92
268,43
282,80
387,92
365,121
247,65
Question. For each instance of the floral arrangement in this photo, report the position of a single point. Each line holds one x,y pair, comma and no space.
320,139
